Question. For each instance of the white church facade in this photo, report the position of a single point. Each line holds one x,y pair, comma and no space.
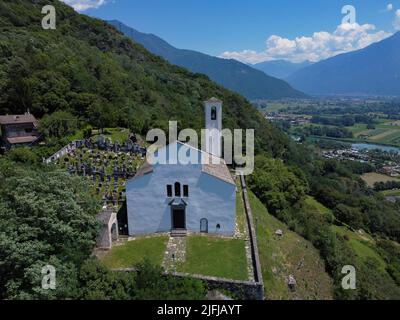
197,197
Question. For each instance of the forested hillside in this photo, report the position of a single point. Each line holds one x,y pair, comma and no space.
88,68
92,73
232,74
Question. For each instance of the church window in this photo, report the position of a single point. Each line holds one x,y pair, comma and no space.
177,189
169,191
214,113
186,191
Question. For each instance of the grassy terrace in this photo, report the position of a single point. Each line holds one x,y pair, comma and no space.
241,220
288,255
133,252
217,257
362,244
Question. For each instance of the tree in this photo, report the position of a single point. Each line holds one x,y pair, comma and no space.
58,124
277,185
46,217
147,283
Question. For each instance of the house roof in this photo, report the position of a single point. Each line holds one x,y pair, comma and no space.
25,139
18,119
212,166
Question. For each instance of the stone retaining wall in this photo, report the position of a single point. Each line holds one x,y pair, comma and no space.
242,290
253,238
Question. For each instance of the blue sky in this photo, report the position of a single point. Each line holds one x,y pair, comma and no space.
240,29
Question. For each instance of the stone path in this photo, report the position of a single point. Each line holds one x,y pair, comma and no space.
175,253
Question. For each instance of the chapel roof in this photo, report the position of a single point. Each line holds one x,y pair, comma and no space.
213,166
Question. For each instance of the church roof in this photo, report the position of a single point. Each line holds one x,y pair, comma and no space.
214,100
217,167
213,166
146,168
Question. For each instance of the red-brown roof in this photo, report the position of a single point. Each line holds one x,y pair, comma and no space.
18,119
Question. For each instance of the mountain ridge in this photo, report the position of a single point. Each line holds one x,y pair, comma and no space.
281,69
372,71
232,74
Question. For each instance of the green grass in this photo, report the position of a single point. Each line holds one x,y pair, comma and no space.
133,252
240,211
115,134
313,204
362,244
391,193
288,255
357,128
216,257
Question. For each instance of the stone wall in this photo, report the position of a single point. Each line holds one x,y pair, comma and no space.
241,290
252,233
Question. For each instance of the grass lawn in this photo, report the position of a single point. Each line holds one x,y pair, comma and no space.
288,255
240,211
133,252
372,177
216,257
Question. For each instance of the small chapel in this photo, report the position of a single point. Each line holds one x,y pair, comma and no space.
183,198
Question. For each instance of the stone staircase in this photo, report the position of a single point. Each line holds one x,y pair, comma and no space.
175,253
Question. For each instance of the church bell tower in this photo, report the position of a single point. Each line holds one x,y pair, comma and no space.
213,114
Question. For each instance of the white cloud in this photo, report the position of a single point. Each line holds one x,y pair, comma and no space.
396,22
321,45
82,5
389,7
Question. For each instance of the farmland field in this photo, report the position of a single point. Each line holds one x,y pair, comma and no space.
371,178
385,132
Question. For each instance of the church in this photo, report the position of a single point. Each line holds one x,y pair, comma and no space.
179,198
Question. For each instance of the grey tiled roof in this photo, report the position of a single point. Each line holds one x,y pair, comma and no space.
18,119
212,166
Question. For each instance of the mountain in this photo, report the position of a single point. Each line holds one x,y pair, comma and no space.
280,69
372,71
90,69
232,74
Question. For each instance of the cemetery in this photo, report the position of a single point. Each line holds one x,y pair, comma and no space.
105,163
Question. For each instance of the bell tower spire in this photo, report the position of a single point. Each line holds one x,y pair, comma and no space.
213,116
